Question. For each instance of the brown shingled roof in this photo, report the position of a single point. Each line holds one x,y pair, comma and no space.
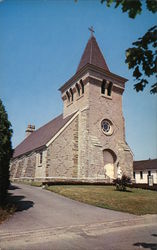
145,164
92,55
41,136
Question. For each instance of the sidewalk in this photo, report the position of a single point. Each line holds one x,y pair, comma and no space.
26,239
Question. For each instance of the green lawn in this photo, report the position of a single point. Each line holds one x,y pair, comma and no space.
135,201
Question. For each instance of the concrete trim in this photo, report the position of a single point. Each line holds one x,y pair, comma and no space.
62,129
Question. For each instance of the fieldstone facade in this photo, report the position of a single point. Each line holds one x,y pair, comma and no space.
91,145
23,167
62,154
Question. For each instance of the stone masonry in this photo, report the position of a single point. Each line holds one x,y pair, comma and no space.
62,154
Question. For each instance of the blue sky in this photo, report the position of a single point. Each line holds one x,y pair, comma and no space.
41,42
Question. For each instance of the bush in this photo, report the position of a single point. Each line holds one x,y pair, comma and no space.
121,183
5,152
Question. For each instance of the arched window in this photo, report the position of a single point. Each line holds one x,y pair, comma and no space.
109,89
82,86
103,85
72,96
68,96
78,89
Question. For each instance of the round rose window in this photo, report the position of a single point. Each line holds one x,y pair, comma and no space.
107,127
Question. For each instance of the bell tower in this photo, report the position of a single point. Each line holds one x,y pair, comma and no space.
96,94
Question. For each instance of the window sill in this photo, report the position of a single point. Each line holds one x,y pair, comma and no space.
106,96
69,104
107,134
79,97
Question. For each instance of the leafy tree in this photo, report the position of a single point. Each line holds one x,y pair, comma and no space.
5,151
142,57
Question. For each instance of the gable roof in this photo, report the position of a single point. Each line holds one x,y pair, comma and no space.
41,136
92,55
145,164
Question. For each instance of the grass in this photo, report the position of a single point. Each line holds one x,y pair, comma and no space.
6,211
31,183
134,201
36,184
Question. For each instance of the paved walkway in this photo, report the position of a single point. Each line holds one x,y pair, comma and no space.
42,214
41,209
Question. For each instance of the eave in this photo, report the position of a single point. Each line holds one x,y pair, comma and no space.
86,69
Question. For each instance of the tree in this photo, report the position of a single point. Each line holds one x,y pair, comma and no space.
142,57
6,152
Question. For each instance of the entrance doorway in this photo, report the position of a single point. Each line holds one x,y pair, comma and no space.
109,163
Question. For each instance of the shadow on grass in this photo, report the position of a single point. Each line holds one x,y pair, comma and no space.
152,246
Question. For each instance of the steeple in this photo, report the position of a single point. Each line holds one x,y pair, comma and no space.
92,55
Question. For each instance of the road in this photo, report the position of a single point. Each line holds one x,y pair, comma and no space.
45,220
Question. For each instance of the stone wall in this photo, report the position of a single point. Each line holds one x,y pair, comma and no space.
83,143
30,166
13,168
62,153
23,167
40,170
104,107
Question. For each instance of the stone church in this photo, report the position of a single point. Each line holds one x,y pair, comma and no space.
87,142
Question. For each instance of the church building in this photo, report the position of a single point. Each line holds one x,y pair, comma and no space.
87,142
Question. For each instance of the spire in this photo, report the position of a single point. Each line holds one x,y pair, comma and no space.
92,54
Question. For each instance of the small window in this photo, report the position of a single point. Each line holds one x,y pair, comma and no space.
149,173
82,86
107,127
103,85
40,157
134,175
141,175
109,89
72,96
78,89
68,96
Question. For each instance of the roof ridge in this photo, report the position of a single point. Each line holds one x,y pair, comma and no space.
91,54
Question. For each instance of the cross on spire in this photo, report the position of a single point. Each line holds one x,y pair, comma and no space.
91,29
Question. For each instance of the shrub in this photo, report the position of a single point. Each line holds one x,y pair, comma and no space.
121,183
5,152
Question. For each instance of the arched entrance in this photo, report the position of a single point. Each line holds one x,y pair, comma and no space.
109,163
